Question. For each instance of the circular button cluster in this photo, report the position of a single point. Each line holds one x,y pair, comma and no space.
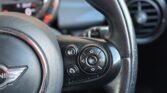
92,60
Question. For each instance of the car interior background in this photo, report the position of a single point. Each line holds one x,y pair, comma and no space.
79,18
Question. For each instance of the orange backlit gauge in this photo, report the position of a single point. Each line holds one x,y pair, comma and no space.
36,8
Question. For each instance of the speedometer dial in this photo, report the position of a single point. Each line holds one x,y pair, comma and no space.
38,8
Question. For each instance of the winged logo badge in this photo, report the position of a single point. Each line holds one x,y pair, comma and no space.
10,75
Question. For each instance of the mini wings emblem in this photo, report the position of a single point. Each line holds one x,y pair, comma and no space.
10,75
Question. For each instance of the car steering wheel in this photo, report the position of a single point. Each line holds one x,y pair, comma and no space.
37,59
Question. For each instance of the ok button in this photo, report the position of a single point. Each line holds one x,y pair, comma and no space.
92,60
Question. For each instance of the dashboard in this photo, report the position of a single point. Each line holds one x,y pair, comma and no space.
74,16
149,17
77,14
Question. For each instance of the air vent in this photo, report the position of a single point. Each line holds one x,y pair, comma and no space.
146,15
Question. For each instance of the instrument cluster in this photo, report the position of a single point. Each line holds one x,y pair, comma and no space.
42,9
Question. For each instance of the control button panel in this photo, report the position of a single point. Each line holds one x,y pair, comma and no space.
88,61
92,60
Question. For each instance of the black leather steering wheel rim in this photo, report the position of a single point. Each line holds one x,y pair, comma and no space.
122,35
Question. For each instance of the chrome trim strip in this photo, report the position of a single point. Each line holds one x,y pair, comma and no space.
37,50
11,74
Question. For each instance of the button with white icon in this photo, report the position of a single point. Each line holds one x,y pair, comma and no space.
71,50
72,70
